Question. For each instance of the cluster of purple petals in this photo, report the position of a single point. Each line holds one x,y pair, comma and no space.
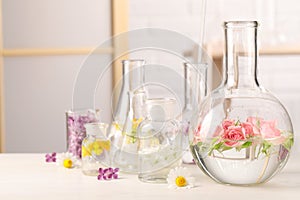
108,173
76,131
50,157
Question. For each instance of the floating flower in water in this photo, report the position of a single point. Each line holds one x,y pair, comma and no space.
108,173
252,133
180,177
50,157
68,160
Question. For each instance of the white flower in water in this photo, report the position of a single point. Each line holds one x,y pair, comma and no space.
180,177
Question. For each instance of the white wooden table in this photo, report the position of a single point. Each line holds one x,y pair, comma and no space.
28,176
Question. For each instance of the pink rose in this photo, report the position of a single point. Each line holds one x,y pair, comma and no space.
247,129
268,129
226,123
255,122
233,136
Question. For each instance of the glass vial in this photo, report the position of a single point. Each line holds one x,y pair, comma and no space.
95,148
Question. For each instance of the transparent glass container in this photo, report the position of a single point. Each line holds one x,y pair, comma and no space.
76,132
95,149
129,113
195,89
243,134
160,145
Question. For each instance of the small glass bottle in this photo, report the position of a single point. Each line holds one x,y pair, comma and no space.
95,148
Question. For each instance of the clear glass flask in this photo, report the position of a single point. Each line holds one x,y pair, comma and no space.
242,134
129,113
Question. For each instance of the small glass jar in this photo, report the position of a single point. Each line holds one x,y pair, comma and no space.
95,148
76,132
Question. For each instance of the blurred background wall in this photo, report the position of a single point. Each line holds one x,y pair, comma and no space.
38,89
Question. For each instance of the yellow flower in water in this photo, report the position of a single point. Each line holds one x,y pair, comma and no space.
96,147
117,126
135,123
85,152
104,144
180,181
68,163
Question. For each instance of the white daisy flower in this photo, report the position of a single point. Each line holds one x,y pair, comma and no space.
67,160
180,177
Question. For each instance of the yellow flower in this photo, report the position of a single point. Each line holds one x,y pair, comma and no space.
180,177
96,147
85,152
117,126
135,123
180,181
68,163
104,144
67,160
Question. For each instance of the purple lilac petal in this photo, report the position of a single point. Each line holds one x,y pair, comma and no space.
51,157
108,173
116,170
115,176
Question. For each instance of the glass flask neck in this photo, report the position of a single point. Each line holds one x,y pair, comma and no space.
195,84
132,78
133,74
240,69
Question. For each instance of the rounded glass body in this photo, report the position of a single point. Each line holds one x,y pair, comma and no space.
243,134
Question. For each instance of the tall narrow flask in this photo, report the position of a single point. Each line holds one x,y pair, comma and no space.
129,114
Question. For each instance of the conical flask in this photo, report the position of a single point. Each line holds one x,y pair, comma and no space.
129,113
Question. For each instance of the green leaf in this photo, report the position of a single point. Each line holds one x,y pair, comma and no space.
199,144
217,146
289,142
247,144
243,146
237,123
266,148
